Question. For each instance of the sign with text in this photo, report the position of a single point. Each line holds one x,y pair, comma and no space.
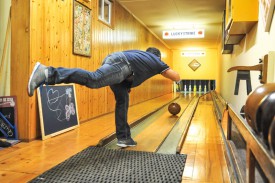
8,117
183,34
193,54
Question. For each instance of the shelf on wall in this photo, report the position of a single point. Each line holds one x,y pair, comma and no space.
241,16
226,48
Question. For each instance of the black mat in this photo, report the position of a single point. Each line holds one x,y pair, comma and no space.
99,164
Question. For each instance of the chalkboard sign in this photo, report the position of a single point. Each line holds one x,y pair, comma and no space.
8,117
57,109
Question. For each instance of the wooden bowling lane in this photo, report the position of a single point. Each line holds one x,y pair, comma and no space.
204,147
175,139
153,130
151,137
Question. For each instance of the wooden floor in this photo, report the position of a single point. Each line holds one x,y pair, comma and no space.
203,145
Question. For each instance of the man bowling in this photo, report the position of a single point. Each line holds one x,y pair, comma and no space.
120,70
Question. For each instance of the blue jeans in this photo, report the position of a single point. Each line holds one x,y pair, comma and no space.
121,112
113,72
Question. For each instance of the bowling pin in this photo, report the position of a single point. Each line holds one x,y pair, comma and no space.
184,89
178,88
199,88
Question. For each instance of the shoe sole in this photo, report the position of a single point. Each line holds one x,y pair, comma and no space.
33,71
123,145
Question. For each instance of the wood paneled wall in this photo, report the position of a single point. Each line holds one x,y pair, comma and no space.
42,31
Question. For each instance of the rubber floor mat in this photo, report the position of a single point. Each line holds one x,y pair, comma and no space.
99,164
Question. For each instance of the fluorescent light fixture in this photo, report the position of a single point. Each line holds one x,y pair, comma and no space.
183,34
193,53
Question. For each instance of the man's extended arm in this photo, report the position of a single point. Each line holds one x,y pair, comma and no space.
171,74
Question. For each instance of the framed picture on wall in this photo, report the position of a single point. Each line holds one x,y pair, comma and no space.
266,12
81,29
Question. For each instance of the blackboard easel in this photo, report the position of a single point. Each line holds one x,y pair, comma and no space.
57,109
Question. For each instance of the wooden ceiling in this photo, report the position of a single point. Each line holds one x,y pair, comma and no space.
160,15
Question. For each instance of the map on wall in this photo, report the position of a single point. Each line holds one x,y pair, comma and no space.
82,30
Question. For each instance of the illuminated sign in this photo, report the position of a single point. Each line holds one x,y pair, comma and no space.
193,53
183,34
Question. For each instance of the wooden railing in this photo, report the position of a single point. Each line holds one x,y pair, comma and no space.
220,109
256,151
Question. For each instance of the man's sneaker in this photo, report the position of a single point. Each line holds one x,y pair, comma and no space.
126,142
38,77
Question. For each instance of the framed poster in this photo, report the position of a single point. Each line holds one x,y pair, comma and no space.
8,117
81,29
266,11
57,109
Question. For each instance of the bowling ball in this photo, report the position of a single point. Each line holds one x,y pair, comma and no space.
253,102
265,115
174,108
271,137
